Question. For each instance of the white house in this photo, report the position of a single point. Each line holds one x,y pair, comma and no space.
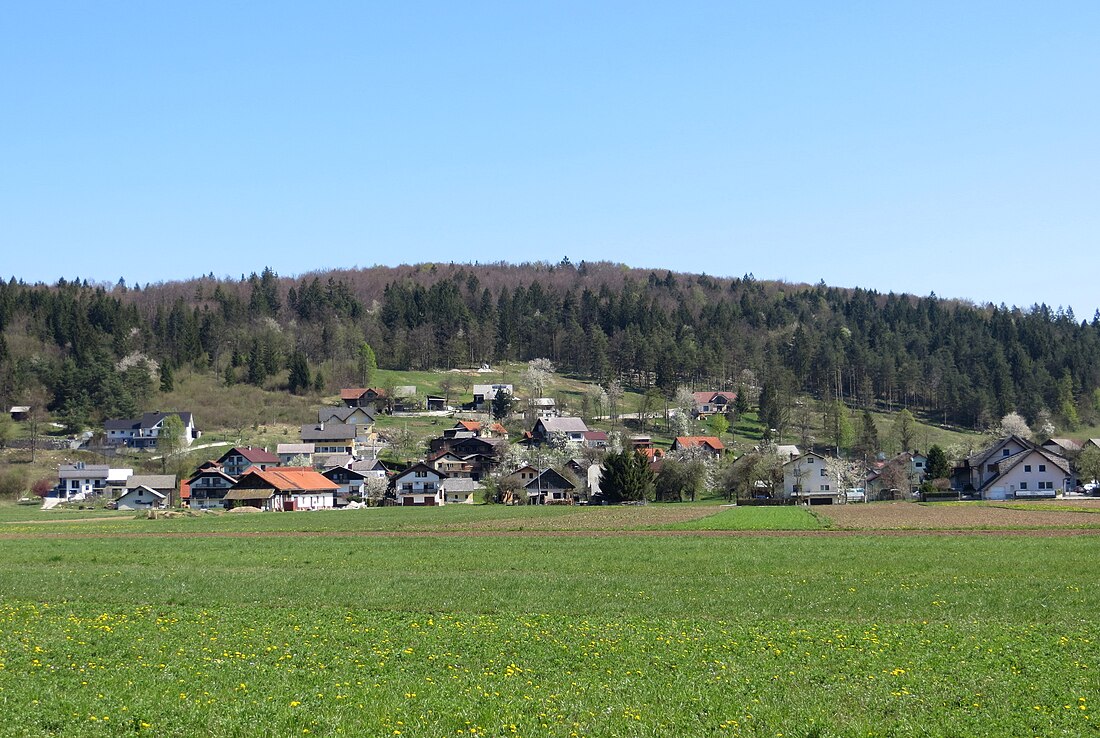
572,429
420,485
484,394
806,479
460,490
79,481
1016,468
143,432
142,498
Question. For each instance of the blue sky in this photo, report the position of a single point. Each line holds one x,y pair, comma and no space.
901,146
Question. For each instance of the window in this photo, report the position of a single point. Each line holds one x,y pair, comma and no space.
1023,485
918,464
1027,467
1042,467
824,472
810,460
1004,452
824,488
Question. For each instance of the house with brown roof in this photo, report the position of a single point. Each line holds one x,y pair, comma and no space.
710,445
363,396
236,460
283,489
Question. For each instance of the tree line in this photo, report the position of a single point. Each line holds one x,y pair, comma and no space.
959,363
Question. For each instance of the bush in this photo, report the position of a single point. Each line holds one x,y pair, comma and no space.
42,487
13,483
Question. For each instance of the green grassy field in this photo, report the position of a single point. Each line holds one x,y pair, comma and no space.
523,621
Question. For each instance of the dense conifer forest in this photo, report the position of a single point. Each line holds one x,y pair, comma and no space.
82,349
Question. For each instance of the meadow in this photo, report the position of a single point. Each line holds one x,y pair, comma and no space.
497,621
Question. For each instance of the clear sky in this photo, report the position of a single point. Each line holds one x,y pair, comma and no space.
902,146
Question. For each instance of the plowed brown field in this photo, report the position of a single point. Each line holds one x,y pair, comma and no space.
948,516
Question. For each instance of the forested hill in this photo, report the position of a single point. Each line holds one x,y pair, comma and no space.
66,343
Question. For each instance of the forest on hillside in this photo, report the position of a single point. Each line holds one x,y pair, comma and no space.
91,351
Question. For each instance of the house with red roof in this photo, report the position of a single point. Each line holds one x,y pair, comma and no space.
283,489
709,444
237,460
712,403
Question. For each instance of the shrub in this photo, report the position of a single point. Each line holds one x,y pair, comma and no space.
13,483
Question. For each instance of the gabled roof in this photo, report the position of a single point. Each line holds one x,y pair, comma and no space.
489,391
980,458
787,451
341,414
328,432
330,473
83,471
368,465
352,393
211,472
794,459
420,467
251,455
153,481
295,449
146,421
705,398
549,479
1007,464
292,479
471,425
711,442
1066,444
461,484
563,425
145,488
595,435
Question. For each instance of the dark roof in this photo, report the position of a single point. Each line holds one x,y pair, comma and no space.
328,432
550,479
252,455
423,466
152,481
147,420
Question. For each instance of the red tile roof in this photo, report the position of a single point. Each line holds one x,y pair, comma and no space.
691,441
294,479
352,393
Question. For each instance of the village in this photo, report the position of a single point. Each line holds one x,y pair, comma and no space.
346,461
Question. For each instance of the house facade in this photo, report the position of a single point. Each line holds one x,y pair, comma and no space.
709,445
236,461
80,481
283,489
550,487
143,432
330,438
142,498
806,479
420,485
208,488
572,429
288,452
712,403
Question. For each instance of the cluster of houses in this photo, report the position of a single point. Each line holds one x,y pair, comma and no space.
1011,468
336,463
